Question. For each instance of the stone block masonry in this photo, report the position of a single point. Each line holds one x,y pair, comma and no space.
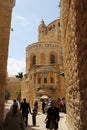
74,41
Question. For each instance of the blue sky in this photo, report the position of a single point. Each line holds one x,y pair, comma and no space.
26,17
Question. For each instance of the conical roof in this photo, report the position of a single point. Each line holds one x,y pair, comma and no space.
42,24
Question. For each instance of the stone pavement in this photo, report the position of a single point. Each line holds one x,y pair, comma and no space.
39,120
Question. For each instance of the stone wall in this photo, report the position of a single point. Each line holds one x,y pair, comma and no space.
74,41
13,84
5,20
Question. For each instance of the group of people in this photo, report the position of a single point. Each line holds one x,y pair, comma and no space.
17,117
60,103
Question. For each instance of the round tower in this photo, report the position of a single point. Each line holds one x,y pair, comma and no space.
41,30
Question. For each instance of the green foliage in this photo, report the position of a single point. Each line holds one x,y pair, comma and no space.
20,75
18,92
7,95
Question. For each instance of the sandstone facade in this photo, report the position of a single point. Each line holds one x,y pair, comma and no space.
44,65
5,20
13,84
74,41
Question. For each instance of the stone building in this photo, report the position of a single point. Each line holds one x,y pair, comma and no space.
13,85
74,41
44,65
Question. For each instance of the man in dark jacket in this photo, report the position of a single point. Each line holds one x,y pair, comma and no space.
52,117
25,107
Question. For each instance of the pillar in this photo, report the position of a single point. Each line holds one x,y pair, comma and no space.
5,22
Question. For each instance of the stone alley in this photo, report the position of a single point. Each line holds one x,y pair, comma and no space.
40,119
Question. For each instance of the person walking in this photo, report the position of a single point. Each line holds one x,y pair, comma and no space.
15,102
43,106
36,106
25,108
14,119
52,117
34,113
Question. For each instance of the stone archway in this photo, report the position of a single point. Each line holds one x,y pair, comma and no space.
74,40
5,21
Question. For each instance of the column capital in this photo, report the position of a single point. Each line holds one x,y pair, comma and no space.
7,3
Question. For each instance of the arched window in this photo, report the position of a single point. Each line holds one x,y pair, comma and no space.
42,59
51,80
52,59
58,24
34,60
39,80
45,80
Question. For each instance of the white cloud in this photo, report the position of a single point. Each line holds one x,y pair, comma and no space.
15,66
22,20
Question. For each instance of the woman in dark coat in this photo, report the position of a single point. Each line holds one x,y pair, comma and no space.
52,117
